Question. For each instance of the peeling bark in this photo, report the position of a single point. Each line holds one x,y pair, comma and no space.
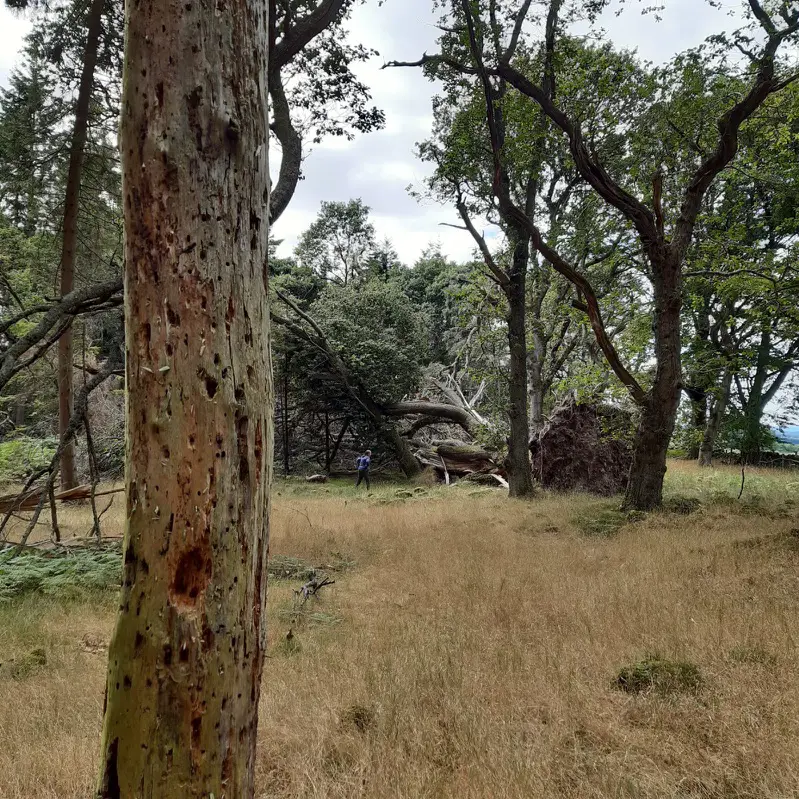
187,653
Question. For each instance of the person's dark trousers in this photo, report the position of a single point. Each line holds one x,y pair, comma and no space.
363,474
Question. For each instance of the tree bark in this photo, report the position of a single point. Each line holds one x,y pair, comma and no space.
698,397
285,410
536,385
520,470
715,418
659,408
69,237
755,403
402,450
439,410
187,653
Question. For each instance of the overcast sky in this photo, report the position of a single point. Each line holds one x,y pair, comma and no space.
378,167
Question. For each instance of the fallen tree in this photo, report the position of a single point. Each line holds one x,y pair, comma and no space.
458,459
30,499
409,457
433,412
584,447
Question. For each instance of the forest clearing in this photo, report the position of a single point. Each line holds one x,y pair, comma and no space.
469,647
468,330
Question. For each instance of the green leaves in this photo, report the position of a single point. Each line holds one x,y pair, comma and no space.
336,247
378,333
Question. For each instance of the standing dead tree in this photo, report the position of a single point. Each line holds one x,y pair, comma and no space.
186,657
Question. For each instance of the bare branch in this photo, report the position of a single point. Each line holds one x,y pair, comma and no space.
433,59
76,302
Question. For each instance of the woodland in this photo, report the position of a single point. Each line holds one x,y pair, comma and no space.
620,350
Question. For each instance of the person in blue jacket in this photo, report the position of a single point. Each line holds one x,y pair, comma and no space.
363,463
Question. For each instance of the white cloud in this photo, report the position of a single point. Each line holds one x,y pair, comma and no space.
13,28
378,167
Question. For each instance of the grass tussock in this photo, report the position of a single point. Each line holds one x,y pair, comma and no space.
655,673
470,647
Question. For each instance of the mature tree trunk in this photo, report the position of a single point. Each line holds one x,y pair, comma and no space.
285,415
698,397
402,450
700,379
715,418
659,408
520,470
754,405
69,238
437,410
536,385
187,653
20,407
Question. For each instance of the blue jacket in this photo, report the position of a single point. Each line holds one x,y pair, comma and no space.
363,463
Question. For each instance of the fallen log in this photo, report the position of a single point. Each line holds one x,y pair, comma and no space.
454,458
30,499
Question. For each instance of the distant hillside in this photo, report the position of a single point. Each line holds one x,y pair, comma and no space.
790,435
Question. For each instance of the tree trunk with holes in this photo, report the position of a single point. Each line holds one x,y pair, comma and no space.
187,653
659,410
69,234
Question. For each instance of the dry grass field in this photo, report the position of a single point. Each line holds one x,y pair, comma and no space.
470,649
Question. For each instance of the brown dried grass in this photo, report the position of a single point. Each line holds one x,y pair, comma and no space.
471,649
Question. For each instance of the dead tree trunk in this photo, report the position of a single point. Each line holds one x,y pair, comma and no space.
69,237
187,653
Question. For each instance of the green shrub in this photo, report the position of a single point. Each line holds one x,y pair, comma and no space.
19,457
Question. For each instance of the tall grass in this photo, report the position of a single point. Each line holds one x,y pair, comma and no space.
471,648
